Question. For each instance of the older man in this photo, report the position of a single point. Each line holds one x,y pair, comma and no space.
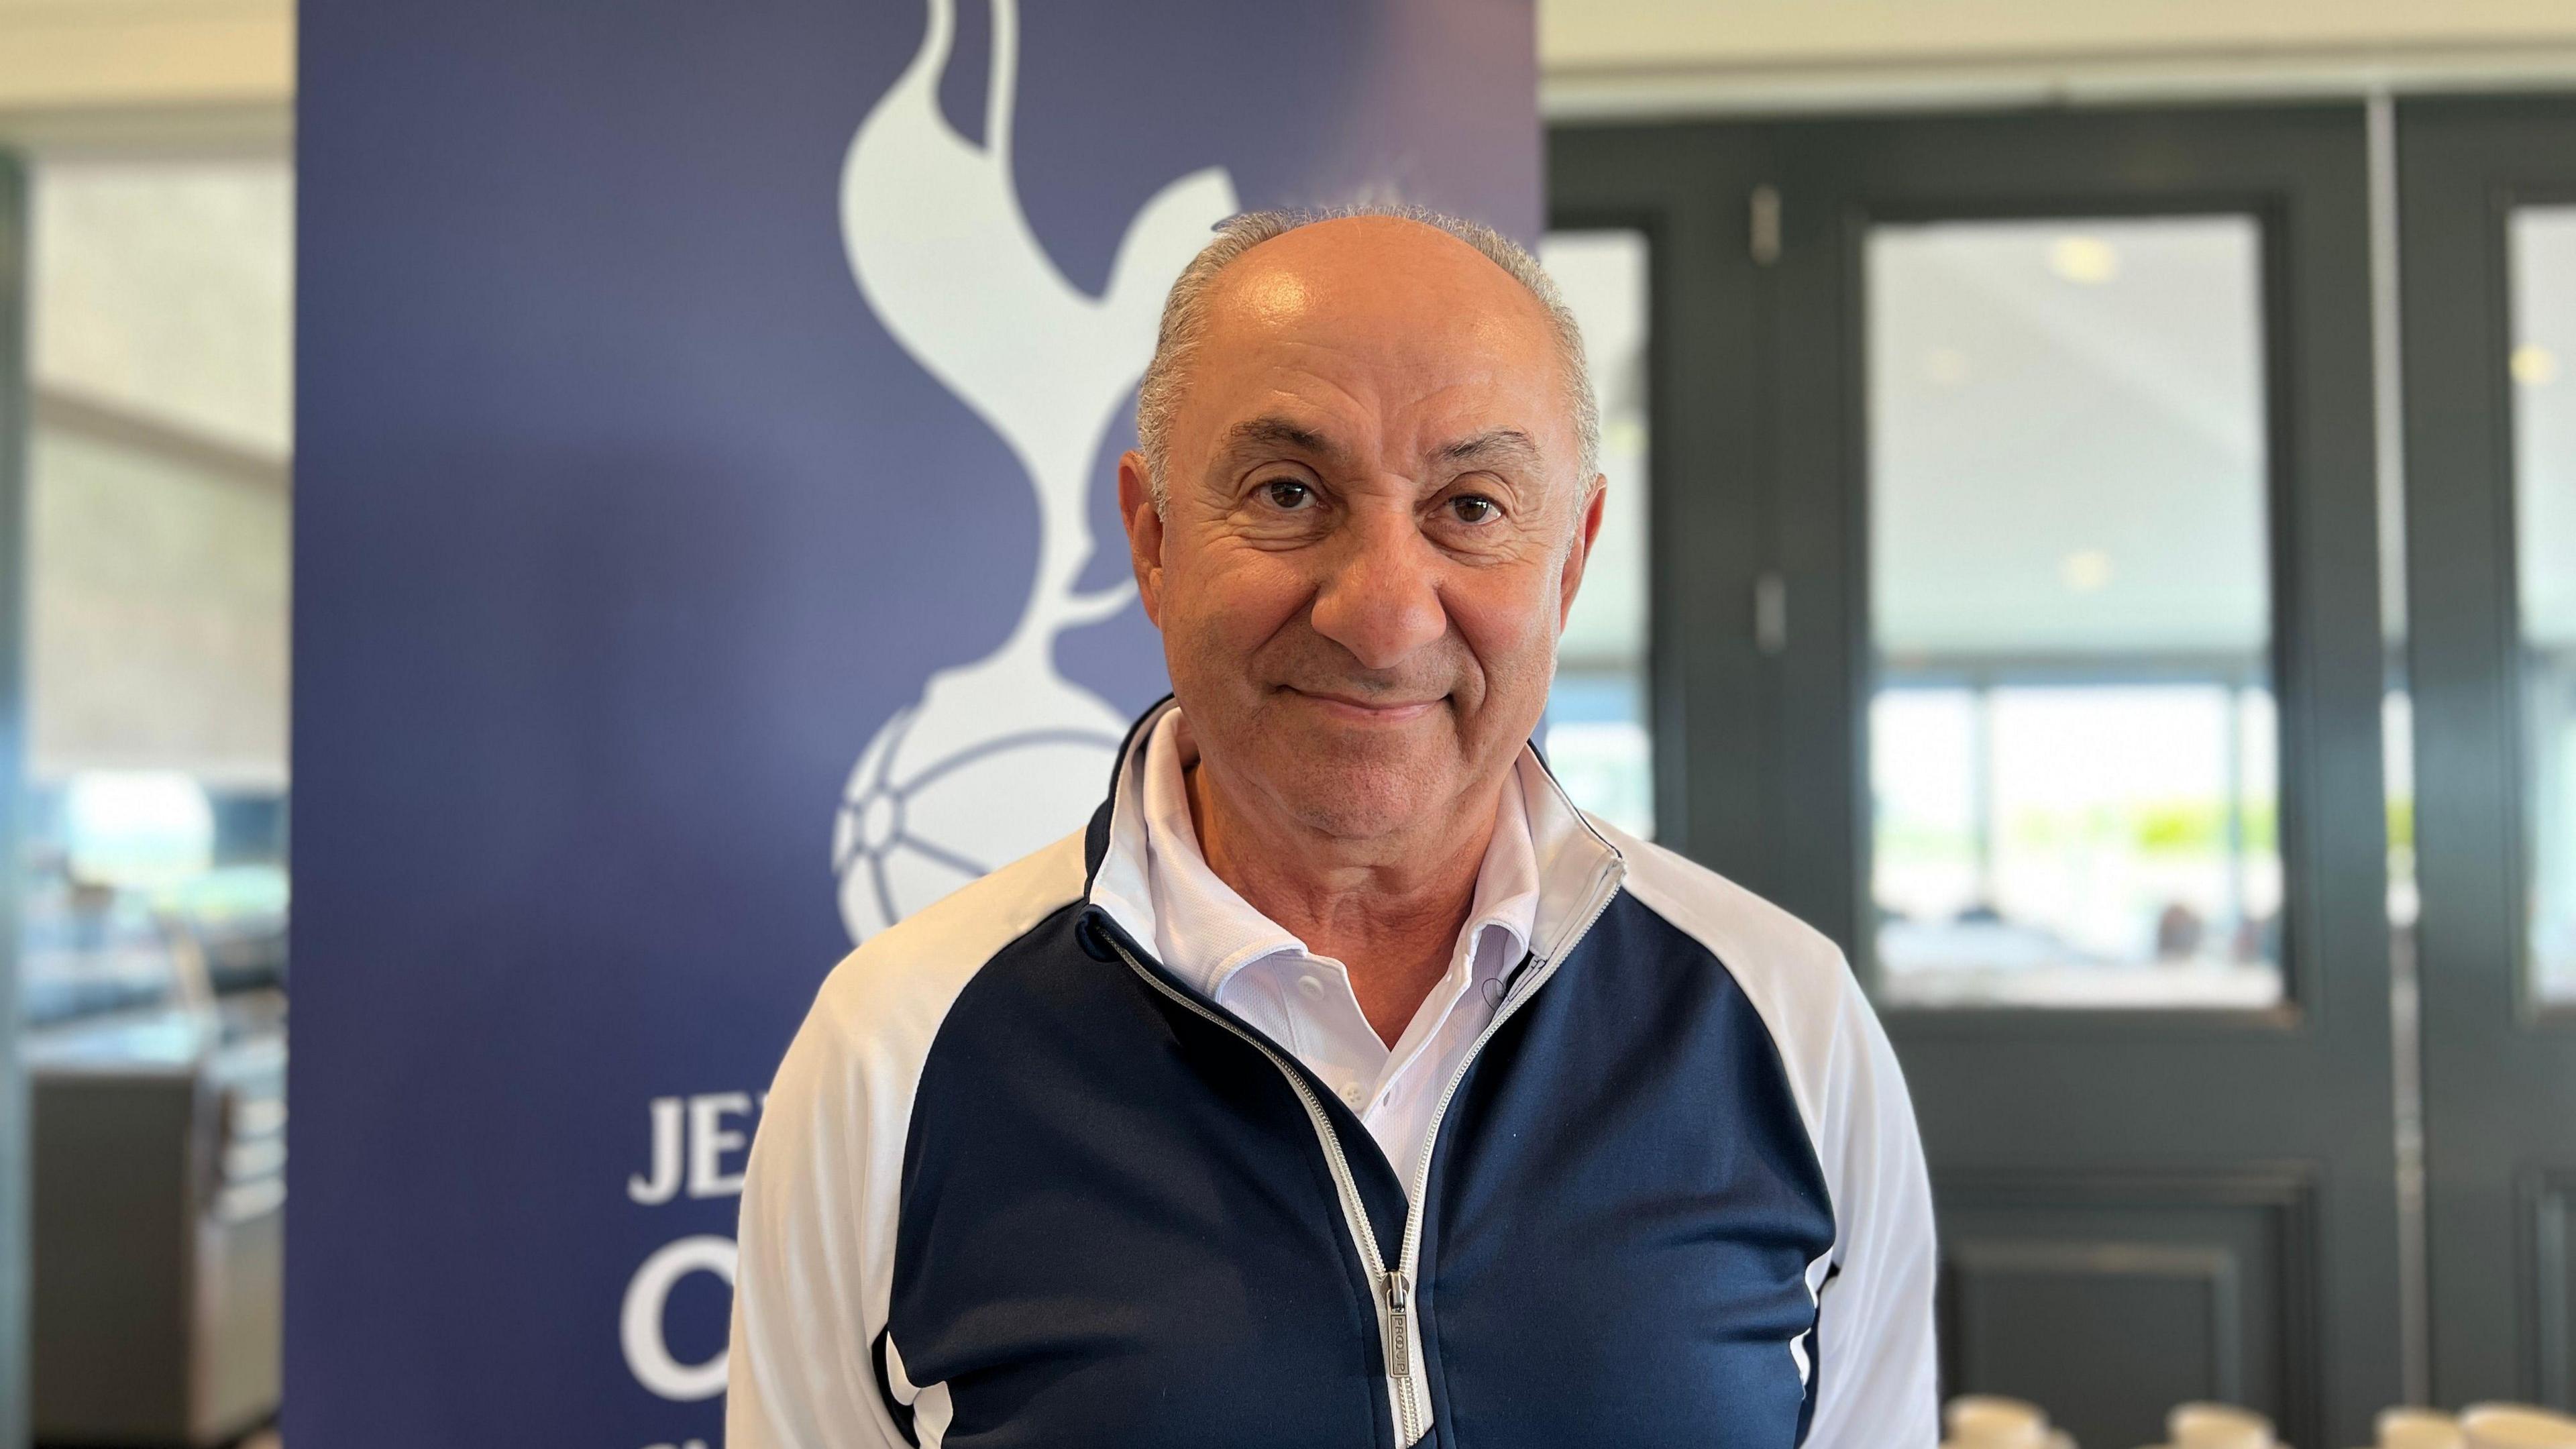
1343,1084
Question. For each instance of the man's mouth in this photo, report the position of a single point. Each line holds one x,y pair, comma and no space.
1365,709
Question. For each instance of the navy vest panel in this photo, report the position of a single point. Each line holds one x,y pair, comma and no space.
1117,1226
1625,1204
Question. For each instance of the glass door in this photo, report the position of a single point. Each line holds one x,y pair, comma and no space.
2489,246
2067,608
2073,762
2017,619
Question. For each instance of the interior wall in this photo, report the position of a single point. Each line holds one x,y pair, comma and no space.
1578,33
149,69
145,52
1620,57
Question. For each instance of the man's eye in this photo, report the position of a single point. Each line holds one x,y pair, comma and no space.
1474,509
1287,494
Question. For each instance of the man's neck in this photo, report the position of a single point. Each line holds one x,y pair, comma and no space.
1388,908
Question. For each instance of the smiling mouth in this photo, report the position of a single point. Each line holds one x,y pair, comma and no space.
1366,711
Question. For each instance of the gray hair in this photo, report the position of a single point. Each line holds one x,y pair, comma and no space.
1185,320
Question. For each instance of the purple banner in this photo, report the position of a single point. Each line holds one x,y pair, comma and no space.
705,554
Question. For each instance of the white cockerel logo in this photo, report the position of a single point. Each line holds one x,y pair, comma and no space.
1002,755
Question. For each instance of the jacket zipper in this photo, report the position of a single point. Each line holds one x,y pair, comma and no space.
1410,1252
1345,1183
1395,1285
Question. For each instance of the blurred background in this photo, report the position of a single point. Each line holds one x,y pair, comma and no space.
2093,528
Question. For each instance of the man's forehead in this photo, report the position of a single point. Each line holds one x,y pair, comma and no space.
1362,280
1329,352
1460,442
1393,353
1377,335
1346,415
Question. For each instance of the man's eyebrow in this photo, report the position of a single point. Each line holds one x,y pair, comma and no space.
1273,431
1497,445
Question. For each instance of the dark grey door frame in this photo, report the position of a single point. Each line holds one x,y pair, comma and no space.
2290,1109
2051,1133
15,1263
2499,1072
1683,188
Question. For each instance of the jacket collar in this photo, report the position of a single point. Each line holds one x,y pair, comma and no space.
1578,866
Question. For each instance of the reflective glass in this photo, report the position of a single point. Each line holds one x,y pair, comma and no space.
1598,740
2073,748
159,513
2544,435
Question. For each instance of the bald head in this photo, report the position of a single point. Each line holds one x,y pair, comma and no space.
1396,266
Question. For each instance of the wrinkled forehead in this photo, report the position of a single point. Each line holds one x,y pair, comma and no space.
1413,338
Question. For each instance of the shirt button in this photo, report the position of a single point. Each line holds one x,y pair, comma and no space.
1312,986
1351,1095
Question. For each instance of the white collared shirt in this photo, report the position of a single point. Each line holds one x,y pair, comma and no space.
1214,940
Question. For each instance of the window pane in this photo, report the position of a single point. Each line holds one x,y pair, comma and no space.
1597,733
158,520
2072,742
2544,346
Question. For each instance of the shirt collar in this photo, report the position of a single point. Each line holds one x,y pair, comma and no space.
1204,929
1507,885
1545,866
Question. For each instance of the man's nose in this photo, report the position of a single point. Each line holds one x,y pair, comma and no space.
1381,597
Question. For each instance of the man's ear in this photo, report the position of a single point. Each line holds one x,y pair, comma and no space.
1144,531
1579,552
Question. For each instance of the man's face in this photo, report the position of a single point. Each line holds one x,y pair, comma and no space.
1373,529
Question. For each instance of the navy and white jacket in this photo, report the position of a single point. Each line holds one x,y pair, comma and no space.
1016,1184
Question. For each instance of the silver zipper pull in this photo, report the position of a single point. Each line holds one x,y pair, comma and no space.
1399,1337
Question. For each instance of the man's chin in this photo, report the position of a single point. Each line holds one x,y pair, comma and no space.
1354,801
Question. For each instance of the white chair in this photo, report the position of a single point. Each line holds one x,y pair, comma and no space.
2516,1426
1991,1421
2419,1429
2218,1426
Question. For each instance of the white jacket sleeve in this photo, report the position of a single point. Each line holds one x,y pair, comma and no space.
1876,1359
816,1270
817,1248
